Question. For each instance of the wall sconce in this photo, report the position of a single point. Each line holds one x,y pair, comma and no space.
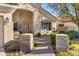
6,20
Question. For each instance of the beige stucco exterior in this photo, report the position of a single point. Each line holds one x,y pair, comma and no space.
71,26
29,18
68,24
1,31
6,29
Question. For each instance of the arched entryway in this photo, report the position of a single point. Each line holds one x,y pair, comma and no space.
23,21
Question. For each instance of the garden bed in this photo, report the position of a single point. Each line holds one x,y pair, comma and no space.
74,52
73,44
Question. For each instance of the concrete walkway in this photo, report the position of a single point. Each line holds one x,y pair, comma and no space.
2,52
43,47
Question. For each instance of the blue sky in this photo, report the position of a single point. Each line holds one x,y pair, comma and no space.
57,12
49,9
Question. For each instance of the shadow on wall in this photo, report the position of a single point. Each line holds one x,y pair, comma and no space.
12,46
1,49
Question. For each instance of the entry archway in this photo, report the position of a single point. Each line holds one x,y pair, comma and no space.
24,20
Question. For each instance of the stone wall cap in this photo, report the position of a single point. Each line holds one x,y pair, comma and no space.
61,35
27,34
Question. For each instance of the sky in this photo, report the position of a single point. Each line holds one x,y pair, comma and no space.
57,12
49,9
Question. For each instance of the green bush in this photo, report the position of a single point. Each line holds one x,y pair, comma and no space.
53,38
39,34
73,34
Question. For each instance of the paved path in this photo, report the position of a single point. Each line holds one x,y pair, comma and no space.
43,48
2,52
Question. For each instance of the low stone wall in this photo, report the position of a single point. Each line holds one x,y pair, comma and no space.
26,42
62,42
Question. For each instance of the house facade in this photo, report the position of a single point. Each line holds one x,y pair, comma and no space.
32,18
65,24
23,18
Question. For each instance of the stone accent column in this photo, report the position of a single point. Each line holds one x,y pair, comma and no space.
35,18
26,42
8,28
62,42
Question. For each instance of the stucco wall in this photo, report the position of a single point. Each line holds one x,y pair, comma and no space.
1,31
8,28
70,26
8,32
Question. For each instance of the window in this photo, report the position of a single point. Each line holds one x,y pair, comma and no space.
46,25
61,25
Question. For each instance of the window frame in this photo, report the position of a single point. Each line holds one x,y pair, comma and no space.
44,26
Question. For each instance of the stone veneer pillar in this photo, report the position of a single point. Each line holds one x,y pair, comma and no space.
26,42
62,42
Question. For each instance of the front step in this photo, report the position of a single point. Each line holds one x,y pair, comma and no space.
38,48
41,44
42,47
41,39
42,51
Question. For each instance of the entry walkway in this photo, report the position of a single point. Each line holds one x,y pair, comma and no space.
43,47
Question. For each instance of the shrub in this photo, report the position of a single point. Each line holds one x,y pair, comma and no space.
53,38
73,34
70,42
39,34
